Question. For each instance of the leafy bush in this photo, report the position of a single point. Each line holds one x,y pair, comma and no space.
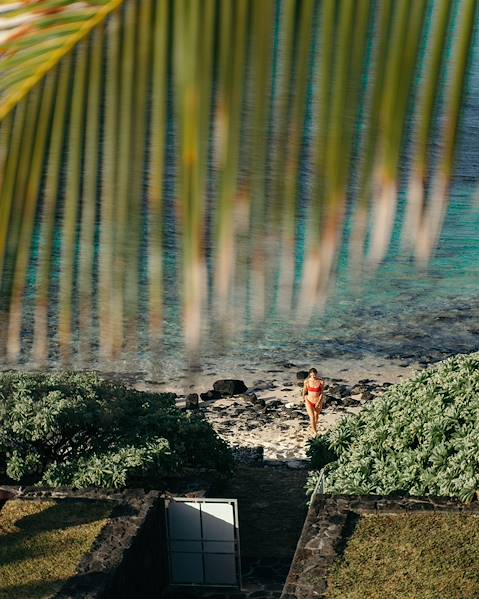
320,452
421,437
70,429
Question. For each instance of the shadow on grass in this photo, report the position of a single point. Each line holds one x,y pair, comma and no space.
65,515
60,588
36,536
350,525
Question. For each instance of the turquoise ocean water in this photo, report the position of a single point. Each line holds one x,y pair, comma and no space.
399,310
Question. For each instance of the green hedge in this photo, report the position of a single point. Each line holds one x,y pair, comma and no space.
420,438
78,430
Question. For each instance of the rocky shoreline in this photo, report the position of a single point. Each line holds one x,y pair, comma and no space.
263,417
271,426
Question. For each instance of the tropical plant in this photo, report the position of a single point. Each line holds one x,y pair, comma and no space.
421,437
102,101
67,429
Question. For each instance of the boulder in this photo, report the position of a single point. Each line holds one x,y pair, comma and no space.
300,376
209,395
191,402
337,390
350,402
359,388
275,403
258,402
229,387
332,400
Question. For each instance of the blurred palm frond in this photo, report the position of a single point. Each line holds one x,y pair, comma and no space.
243,136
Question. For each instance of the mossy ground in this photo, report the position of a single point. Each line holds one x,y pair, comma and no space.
42,543
425,556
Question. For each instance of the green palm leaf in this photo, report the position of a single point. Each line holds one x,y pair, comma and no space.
105,105
35,37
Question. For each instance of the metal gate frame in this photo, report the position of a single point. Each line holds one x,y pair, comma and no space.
236,542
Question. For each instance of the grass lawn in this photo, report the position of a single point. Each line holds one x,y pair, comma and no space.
415,556
42,543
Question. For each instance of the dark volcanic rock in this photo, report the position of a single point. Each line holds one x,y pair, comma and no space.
300,376
254,399
338,390
275,403
350,402
229,387
331,400
211,394
192,401
359,388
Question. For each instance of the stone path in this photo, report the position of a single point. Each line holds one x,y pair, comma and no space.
267,428
272,508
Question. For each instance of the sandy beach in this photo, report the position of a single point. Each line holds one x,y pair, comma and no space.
269,421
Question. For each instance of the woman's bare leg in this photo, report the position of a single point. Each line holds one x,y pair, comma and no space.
312,421
316,412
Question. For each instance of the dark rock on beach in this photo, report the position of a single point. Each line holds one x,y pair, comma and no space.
349,402
337,390
191,401
331,400
209,395
300,376
359,388
275,403
367,395
258,402
229,387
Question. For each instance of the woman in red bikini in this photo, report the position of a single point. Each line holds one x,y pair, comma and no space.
313,398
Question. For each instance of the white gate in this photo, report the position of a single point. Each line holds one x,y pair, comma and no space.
203,542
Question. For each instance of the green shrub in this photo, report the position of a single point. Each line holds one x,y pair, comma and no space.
69,429
421,437
320,452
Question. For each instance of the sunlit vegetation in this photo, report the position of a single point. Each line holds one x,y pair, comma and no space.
79,431
101,99
413,555
420,438
42,543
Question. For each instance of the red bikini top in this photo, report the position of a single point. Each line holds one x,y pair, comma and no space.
315,389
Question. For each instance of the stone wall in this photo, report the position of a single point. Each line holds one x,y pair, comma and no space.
328,525
128,559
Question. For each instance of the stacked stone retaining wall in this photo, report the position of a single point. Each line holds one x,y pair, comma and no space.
128,558
328,526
